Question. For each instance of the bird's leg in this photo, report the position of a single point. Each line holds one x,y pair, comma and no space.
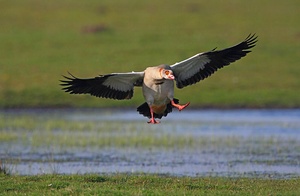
179,107
152,120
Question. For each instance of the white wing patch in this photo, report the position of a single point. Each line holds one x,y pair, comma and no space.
122,81
189,67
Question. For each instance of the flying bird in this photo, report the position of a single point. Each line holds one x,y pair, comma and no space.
158,82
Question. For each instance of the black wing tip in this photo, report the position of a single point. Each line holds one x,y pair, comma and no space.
251,40
69,78
67,83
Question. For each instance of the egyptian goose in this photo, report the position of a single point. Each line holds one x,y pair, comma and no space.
158,82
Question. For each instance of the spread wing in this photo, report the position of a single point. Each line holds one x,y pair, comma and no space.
202,65
113,86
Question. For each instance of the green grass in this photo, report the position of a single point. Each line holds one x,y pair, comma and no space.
123,184
42,40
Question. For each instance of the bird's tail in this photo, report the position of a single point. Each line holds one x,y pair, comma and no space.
145,110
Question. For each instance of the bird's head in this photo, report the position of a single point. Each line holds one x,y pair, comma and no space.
167,74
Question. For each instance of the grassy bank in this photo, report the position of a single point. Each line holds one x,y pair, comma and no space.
41,40
123,184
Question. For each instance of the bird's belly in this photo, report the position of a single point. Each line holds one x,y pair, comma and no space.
159,94
159,109
160,102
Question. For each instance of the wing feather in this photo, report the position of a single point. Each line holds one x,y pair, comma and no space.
113,86
202,65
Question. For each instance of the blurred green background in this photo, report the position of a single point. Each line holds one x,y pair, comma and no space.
42,40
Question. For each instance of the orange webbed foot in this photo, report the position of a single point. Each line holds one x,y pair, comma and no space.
153,121
180,107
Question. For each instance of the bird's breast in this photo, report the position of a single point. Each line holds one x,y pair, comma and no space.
159,82
160,86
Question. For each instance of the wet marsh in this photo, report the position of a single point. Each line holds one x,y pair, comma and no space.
238,143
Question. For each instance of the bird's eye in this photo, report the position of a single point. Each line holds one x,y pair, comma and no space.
167,72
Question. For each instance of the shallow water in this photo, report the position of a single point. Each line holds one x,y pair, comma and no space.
235,143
